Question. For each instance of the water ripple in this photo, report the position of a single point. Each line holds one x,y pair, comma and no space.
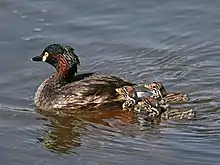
175,42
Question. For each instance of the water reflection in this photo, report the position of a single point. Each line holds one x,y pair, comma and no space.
62,135
65,130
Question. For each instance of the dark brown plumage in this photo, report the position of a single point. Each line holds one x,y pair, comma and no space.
178,113
150,108
159,92
66,90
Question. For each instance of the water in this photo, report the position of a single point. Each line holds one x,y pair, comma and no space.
175,42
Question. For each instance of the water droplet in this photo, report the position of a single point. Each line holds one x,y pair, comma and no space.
37,29
44,10
41,20
23,16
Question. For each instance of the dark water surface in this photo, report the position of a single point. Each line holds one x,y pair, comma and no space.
173,41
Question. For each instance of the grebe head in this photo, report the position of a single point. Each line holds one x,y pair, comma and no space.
62,57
